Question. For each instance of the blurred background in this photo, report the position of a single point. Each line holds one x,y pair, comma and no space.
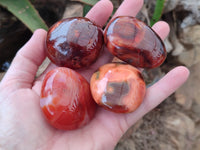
174,124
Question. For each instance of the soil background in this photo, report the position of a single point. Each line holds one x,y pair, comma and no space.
174,124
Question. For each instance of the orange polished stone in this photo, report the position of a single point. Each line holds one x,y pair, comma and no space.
134,42
66,100
74,42
118,87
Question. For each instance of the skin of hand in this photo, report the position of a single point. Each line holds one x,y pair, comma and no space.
22,125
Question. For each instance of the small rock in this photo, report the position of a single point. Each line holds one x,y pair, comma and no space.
183,101
190,5
42,67
180,124
188,21
190,91
181,130
170,5
179,142
190,37
187,58
73,9
168,45
178,47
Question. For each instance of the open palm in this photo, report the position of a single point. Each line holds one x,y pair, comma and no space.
22,125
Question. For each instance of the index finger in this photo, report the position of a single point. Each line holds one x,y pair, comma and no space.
97,15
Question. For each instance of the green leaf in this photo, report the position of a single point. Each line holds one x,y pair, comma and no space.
88,2
86,9
157,12
25,12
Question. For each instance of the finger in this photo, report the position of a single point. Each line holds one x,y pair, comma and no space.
26,62
162,29
129,8
100,12
159,92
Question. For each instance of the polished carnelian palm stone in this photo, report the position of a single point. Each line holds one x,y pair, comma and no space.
134,42
118,87
74,42
66,99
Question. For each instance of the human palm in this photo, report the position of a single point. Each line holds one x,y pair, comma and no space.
22,125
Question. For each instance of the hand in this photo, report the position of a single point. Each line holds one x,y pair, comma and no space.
22,125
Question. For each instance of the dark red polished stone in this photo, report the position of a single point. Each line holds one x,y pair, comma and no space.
134,42
74,42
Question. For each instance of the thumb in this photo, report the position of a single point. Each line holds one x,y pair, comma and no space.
22,71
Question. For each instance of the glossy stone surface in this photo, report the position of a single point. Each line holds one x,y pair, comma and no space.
66,99
118,87
134,42
74,42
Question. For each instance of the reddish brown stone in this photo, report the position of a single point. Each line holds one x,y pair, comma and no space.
74,42
134,42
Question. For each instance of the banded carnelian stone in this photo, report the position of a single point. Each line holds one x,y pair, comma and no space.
66,100
134,42
118,87
74,42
